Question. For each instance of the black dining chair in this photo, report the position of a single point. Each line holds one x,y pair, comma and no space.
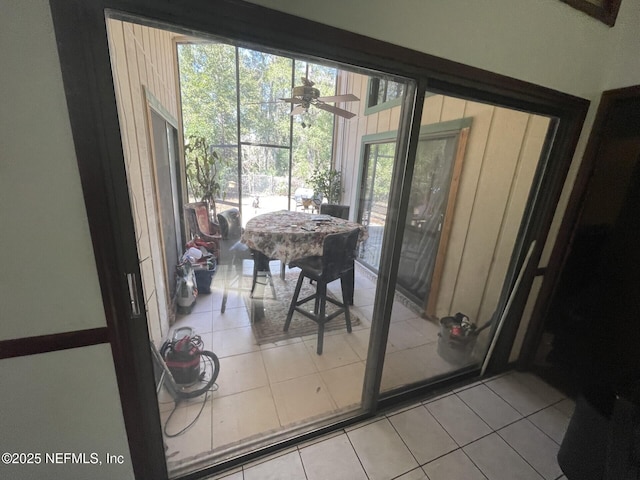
336,262
341,211
233,253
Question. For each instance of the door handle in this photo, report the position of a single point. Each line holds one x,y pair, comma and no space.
133,295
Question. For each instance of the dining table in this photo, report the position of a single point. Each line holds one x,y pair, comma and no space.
287,236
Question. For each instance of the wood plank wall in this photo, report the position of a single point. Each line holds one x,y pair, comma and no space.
500,161
143,57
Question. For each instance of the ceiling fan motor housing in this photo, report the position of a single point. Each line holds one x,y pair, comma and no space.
307,93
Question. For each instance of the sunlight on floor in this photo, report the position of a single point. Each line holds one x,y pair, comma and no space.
271,388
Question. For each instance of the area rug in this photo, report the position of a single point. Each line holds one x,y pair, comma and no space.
268,319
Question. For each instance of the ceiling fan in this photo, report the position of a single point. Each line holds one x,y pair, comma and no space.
306,95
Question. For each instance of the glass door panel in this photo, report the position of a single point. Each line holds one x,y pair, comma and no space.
272,384
474,167
425,218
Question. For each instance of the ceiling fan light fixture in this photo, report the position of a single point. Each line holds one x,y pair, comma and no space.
306,92
303,96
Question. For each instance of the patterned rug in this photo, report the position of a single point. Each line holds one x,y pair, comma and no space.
268,321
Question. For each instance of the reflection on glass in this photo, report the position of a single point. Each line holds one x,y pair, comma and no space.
382,90
473,171
376,174
425,217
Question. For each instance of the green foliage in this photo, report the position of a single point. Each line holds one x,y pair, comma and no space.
202,171
328,183
380,160
210,111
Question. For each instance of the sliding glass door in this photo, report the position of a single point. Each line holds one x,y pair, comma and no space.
470,175
474,169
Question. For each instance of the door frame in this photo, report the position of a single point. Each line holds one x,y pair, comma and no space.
564,239
460,129
447,220
81,38
154,106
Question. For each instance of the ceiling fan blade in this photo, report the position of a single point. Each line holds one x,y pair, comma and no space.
298,110
335,110
292,100
349,97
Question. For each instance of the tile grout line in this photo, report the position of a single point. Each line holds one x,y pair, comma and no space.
477,414
461,447
442,426
538,428
474,463
505,400
524,417
366,474
404,443
521,456
302,462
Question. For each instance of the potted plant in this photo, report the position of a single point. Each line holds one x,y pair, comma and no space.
327,184
203,166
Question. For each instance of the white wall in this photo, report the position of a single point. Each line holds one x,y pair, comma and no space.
545,41
49,283
64,401
624,64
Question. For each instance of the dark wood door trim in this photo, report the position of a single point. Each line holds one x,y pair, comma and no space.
562,245
20,347
81,36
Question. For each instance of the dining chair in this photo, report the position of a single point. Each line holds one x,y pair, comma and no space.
233,253
336,262
341,211
338,211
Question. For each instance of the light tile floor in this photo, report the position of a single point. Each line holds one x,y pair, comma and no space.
269,389
503,428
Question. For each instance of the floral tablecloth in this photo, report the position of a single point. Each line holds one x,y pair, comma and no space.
287,236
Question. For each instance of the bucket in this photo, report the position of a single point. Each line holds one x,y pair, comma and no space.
204,274
456,339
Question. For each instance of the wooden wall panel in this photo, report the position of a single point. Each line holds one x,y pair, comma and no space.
452,109
491,197
372,123
384,121
140,57
482,115
432,110
520,187
394,121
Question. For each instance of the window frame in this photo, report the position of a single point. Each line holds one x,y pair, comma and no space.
370,109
